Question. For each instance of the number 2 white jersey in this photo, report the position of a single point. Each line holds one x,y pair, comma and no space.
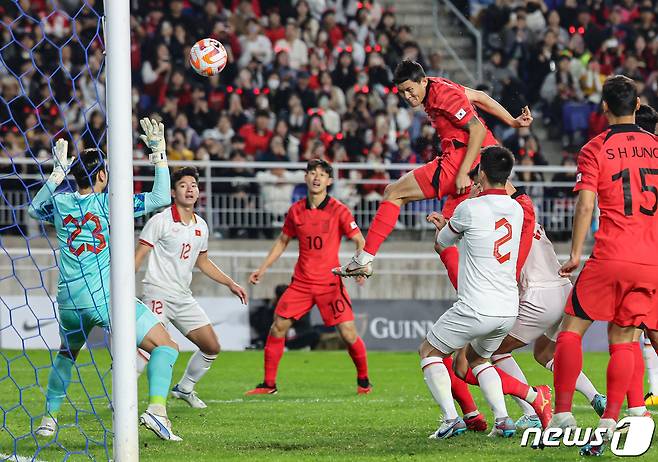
175,248
541,267
489,227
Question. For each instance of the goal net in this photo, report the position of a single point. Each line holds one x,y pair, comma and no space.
52,86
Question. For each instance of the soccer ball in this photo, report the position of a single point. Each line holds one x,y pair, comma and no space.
208,57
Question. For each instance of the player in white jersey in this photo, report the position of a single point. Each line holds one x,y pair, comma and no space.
175,241
488,229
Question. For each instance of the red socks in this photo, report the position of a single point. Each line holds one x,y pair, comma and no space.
381,226
511,385
450,259
635,393
460,390
567,365
273,351
622,360
357,351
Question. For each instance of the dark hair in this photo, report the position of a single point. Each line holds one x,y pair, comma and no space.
320,163
408,70
496,162
86,166
184,171
620,94
262,113
646,118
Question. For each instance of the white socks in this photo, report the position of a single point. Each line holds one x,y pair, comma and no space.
492,388
363,258
197,366
583,384
651,362
438,381
508,364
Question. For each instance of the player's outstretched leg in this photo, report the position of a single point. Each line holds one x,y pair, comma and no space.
153,338
506,363
651,363
437,379
397,194
59,379
357,350
206,339
274,346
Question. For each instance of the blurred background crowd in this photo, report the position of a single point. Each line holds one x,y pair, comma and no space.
311,78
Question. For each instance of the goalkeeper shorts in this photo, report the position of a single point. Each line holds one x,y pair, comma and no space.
75,325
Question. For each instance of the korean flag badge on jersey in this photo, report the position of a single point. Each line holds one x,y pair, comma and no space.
197,232
460,114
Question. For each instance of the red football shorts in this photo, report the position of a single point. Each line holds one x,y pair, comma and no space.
332,300
437,177
615,291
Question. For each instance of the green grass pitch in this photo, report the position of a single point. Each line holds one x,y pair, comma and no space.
315,416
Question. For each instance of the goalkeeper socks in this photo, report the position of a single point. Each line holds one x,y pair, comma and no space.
635,393
583,384
651,360
492,388
508,364
460,390
438,381
159,372
382,225
142,362
273,352
450,259
58,381
618,377
359,356
567,365
197,366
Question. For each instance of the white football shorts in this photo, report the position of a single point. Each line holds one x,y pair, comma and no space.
184,313
540,313
462,325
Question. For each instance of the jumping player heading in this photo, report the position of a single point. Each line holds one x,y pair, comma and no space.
451,109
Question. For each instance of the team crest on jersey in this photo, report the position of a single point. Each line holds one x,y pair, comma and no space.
460,114
197,232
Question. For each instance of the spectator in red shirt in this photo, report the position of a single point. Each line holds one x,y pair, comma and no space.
275,31
332,27
257,135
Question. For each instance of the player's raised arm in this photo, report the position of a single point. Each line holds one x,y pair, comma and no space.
41,207
476,135
210,269
485,102
160,196
275,252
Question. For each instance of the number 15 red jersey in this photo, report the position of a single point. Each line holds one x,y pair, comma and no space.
621,166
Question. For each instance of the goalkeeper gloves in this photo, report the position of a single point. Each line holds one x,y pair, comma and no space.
61,161
154,138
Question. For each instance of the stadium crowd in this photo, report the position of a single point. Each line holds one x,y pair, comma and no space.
309,79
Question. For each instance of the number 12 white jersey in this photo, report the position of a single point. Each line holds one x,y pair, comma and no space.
489,227
175,248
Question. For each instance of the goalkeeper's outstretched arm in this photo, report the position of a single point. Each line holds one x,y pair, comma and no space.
41,206
160,195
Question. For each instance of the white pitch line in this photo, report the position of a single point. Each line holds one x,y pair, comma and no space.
16,458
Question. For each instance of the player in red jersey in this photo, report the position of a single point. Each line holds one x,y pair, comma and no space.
451,109
618,283
318,222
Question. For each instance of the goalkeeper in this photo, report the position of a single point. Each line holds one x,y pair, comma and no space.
81,220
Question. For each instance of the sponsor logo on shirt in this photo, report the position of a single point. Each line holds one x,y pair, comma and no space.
197,232
579,177
460,114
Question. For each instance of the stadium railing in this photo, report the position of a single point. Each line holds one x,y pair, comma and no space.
228,211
